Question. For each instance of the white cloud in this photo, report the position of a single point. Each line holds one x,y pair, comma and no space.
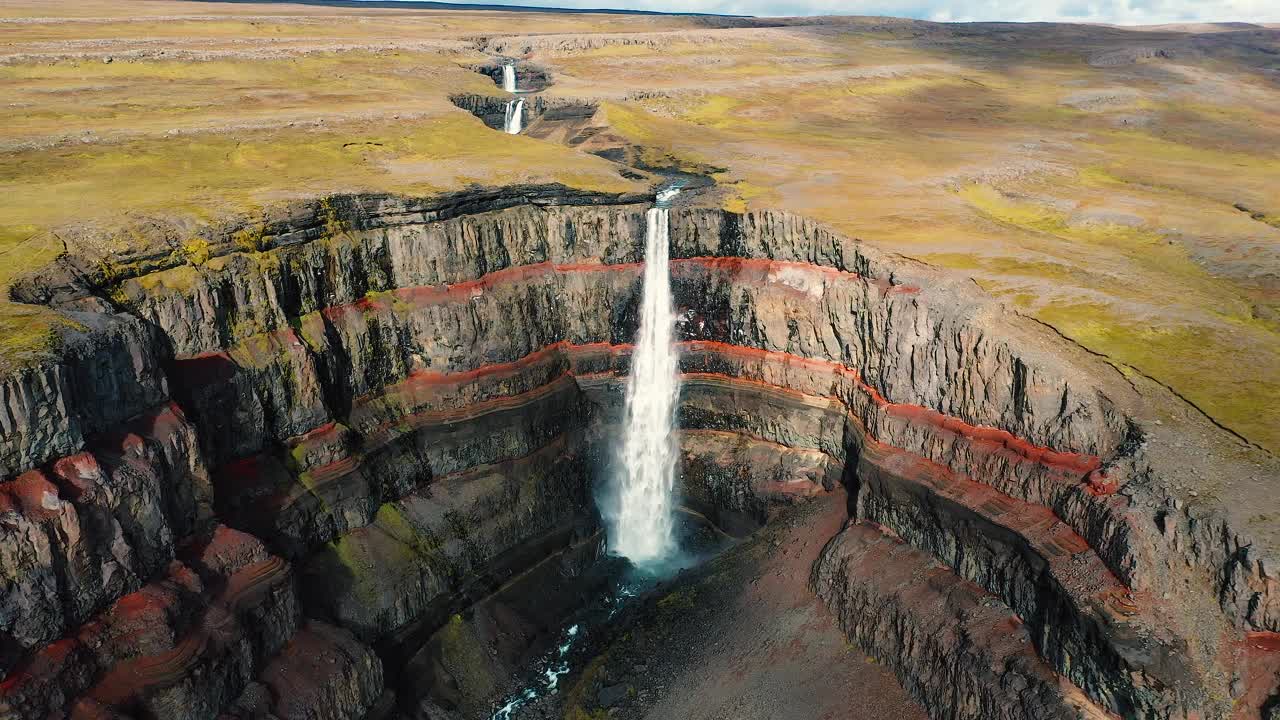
1133,12
1139,12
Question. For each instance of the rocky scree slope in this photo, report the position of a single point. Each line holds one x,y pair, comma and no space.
258,479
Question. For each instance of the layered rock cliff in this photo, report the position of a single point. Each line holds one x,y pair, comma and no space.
263,478
544,116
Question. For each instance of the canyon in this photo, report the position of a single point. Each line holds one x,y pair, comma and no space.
368,361
288,479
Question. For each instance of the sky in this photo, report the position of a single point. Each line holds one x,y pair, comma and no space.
1128,12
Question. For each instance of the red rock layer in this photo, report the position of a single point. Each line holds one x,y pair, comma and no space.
751,270
182,642
424,388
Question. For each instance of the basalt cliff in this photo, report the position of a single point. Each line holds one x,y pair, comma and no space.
258,479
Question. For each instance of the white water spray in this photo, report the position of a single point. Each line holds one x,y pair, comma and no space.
509,77
515,114
643,523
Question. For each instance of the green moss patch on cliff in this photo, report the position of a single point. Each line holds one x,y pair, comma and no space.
384,554
29,334
1180,358
462,655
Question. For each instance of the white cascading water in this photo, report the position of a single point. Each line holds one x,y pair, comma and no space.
643,523
515,114
509,77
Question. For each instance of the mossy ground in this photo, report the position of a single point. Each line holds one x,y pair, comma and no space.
29,333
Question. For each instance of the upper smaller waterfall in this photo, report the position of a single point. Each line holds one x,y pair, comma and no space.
509,77
515,116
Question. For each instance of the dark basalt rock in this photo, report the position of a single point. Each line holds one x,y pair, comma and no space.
530,78
541,114
398,405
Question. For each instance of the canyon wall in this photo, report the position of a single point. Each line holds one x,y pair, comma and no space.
265,475
564,119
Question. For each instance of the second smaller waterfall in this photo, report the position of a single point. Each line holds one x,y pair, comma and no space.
515,116
509,77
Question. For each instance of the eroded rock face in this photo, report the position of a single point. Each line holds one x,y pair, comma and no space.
529,76
395,406
543,115
109,372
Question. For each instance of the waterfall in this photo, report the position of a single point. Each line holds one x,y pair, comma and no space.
642,524
509,77
515,112
515,108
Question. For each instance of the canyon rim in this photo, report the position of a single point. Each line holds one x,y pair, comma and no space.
363,362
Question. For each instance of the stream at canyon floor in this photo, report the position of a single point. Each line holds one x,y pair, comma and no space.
615,586
730,632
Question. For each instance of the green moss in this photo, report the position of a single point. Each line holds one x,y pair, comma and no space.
714,111
334,225
1148,250
421,543
393,522
251,238
368,557
1182,356
297,457
1007,266
183,279
367,570
269,262
676,601
311,328
463,655
110,273
253,342
196,250
578,697
29,334
741,193
997,206
24,247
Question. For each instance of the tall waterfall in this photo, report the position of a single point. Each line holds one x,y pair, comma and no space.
642,526
509,77
515,114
